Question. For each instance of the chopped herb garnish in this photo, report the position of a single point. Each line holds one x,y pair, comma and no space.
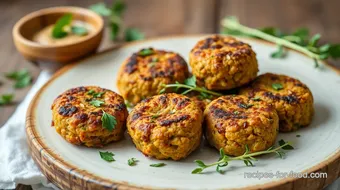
128,104
236,112
245,106
6,99
157,165
132,161
155,116
96,103
247,158
107,156
109,121
22,78
288,147
191,81
277,86
58,29
98,94
79,30
91,92
256,99
280,53
146,52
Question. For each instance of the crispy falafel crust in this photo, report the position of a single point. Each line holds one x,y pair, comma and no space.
232,122
167,126
293,103
79,122
141,76
222,63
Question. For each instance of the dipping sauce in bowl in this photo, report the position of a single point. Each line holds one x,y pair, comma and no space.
35,39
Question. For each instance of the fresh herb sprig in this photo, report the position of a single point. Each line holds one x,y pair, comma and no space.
132,161
247,157
190,85
22,78
6,99
114,15
108,121
107,156
298,40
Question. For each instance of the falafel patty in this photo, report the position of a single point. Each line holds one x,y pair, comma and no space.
292,99
234,122
142,74
167,126
77,116
222,63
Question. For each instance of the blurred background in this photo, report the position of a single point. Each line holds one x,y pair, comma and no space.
174,17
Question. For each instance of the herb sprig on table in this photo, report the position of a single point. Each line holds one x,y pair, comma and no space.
114,15
247,157
190,85
298,40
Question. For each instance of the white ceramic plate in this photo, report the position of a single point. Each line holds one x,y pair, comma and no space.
318,145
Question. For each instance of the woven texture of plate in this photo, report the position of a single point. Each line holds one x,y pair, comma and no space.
75,167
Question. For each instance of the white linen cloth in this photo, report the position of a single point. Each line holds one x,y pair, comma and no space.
16,164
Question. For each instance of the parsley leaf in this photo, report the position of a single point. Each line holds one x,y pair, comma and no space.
132,161
17,75
157,165
133,34
22,78
58,29
79,30
146,52
256,98
280,53
91,92
101,9
98,94
118,7
96,103
287,147
107,156
191,81
277,86
6,99
109,121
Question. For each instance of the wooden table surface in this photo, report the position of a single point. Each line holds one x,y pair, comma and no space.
172,17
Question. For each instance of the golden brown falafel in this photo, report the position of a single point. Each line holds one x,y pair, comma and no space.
77,119
167,126
232,122
222,63
292,99
142,74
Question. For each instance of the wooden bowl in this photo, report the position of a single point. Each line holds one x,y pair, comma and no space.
61,54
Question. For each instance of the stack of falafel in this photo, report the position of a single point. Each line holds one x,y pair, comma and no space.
170,125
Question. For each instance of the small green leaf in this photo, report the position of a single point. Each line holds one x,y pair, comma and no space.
197,171
132,161
316,63
324,48
191,81
58,29
287,147
98,94
245,106
236,112
128,104
109,121
101,9
118,7
277,86
6,99
247,149
280,53
107,156
314,40
200,163
162,91
256,99
218,169
155,116
91,92
23,82
17,75
157,165
96,103
79,30
114,30
146,52
248,163
133,34
334,51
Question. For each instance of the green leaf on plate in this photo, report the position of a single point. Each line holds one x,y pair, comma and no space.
191,81
280,53
157,165
96,103
287,147
277,86
132,161
109,121
146,52
107,156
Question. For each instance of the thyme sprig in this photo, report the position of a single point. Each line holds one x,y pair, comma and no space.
298,40
190,85
247,158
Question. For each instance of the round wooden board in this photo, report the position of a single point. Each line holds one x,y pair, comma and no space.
67,175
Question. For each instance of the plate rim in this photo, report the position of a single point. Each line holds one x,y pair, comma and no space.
64,174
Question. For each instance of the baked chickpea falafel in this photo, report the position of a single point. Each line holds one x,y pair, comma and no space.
223,63
77,116
166,126
292,99
143,74
234,122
